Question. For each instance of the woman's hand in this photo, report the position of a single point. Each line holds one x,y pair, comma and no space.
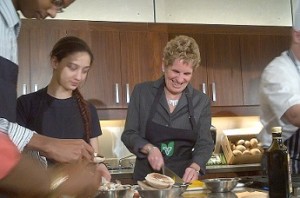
62,150
104,172
155,158
191,173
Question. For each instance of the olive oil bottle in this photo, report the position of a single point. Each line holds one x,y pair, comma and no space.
279,172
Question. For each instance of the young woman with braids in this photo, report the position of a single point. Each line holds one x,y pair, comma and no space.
59,110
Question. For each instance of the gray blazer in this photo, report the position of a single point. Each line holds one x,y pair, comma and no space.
138,111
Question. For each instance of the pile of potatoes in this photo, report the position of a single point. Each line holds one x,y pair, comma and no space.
246,147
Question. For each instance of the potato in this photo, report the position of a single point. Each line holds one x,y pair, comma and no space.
247,144
240,142
253,142
232,146
246,152
240,147
255,151
237,152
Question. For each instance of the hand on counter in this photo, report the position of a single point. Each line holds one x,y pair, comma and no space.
191,173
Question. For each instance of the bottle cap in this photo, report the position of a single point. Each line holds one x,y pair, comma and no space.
276,129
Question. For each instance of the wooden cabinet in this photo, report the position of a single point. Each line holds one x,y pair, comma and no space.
35,44
141,59
232,59
124,56
256,52
105,74
219,74
24,82
224,70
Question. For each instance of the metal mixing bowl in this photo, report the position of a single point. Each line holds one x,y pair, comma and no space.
175,191
114,193
220,184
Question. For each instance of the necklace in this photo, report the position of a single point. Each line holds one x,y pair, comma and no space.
172,102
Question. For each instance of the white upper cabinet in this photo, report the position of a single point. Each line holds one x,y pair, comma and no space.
110,10
234,12
227,12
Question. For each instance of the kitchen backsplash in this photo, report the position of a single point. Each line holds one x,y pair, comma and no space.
111,145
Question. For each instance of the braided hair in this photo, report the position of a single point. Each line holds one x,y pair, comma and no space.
63,48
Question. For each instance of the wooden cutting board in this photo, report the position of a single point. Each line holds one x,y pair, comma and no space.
254,194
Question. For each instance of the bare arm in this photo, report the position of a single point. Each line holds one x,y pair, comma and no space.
292,115
95,144
17,182
61,150
100,167
82,180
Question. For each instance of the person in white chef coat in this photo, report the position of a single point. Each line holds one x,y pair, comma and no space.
280,96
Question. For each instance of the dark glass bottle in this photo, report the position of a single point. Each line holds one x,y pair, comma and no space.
279,175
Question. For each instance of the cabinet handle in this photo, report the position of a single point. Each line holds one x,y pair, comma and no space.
35,87
204,88
24,89
127,93
214,95
117,93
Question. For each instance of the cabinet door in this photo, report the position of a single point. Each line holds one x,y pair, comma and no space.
35,44
42,41
80,30
100,87
23,86
256,52
141,59
224,69
199,80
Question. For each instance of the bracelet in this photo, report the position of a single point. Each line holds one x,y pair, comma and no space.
57,181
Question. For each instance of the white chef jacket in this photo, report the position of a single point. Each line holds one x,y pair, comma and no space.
279,90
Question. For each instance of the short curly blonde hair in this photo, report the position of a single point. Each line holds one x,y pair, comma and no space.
184,48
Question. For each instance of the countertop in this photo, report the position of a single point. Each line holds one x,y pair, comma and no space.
249,186
233,168
238,192
209,169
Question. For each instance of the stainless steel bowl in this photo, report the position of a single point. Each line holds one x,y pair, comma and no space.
220,184
222,195
175,191
114,193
